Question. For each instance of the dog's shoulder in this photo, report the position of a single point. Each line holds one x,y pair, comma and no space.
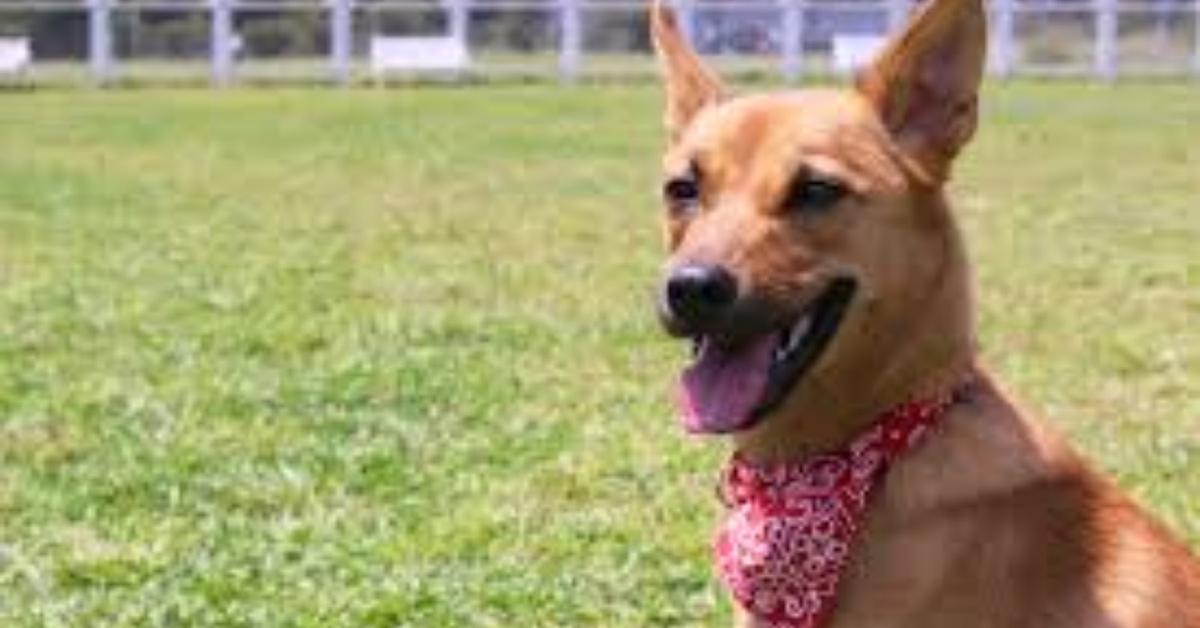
995,501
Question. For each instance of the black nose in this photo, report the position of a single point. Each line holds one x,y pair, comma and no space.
698,293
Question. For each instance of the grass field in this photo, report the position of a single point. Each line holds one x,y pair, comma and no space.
314,358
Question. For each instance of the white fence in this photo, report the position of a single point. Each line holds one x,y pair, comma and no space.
228,41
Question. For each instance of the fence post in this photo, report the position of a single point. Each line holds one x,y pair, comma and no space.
685,14
1003,49
792,46
458,20
340,33
897,14
1196,38
221,42
1105,61
570,44
100,41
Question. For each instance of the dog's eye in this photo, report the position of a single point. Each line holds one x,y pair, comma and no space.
814,194
681,192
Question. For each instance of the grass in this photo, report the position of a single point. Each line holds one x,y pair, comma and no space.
380,358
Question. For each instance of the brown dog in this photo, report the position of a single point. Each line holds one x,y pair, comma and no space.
816,264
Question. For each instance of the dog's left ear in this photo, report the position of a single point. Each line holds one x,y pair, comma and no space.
925,83
690,85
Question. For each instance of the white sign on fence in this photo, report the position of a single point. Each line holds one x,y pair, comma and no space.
15,54
419,54
851,52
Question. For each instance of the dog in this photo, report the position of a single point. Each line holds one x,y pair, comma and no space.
881,477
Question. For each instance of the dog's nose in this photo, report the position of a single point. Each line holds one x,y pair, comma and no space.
698,293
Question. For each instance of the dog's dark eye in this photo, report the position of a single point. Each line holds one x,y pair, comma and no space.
682,192
814,194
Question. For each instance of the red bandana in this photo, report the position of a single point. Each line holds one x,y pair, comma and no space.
786,538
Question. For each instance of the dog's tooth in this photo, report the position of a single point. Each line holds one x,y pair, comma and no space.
779,354
797,333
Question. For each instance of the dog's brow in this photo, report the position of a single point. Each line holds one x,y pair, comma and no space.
825,167
681,165
689,167
802,171
701,161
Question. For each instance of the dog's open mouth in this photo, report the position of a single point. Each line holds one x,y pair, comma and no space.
729,389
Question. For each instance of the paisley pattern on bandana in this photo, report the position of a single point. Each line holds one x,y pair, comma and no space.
786,539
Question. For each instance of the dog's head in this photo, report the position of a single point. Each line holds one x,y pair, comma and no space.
810,243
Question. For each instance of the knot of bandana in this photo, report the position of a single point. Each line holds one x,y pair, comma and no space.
786,538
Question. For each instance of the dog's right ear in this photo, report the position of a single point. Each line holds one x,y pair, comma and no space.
690,85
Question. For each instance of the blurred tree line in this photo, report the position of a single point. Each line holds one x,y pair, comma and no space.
289,31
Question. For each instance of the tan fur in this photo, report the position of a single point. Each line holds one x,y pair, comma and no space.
994,521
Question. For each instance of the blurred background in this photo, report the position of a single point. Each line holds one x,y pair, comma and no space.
354,41
318,357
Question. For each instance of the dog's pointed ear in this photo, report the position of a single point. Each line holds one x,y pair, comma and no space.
690,85
925,82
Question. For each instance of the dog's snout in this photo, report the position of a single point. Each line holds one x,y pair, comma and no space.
697,294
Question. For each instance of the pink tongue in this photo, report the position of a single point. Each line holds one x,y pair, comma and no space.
718,392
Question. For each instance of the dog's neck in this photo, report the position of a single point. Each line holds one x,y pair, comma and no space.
926,350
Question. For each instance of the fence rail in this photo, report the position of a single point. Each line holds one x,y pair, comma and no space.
224,42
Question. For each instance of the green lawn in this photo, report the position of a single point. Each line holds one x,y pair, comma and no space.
378,358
